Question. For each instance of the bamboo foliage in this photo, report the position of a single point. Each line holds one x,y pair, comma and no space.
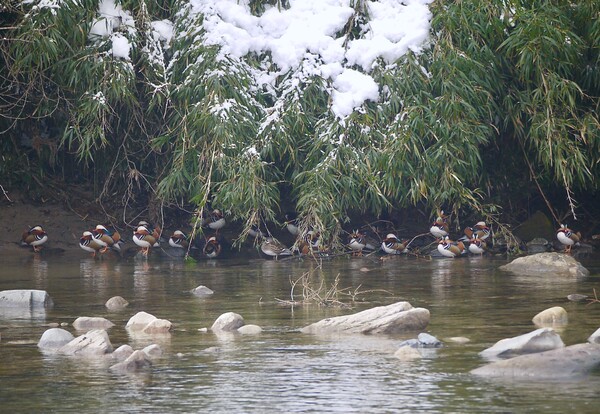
510,82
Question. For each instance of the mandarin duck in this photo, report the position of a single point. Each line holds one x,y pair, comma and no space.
215,220
179,240
154,230
307,244
274,248
34,237
212,247
392,245
479,230
109,239
90,243
450,248
291,224
357,242
477,246
567,237
143,238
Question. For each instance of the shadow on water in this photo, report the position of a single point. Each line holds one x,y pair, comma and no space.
283,370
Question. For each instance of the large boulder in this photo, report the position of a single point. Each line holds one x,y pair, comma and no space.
228,322
86,323
25,298
547,264
139,321
540,340
202,291
54,338
398,317
563,363
94,342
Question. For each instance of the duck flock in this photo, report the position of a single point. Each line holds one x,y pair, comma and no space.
476,240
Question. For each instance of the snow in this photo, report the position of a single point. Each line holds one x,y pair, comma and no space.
309,35
120,46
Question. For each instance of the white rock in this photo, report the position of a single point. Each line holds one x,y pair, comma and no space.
157,326
547,264
28,298
153,351
54,338
595,337
562,363
139,321
123,352
540,340
94,342
250,330
551,317
458,339
202,291
407,353
137,361
116,303
227,322
398,317
86,323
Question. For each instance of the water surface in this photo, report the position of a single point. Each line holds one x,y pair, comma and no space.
282,370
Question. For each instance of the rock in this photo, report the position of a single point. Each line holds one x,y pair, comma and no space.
116,303
569,362
137,361
157,326
547,264
551,317
407,353
424,340
202,291
458,340
54,338
122,353
94,342
250,330
595,337
139,321
540,340
153,351
537,225
398,317
85,323
26,298
576,297
228,322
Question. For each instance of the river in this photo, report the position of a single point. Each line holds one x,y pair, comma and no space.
281,369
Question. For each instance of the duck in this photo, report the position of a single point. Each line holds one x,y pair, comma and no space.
154,230
34,237
479,230
212,247
568,237
143,238
272,247
450,248
357,242
90,243
308,244
215,220
109,239
478,246
179,240
392,245
291,224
